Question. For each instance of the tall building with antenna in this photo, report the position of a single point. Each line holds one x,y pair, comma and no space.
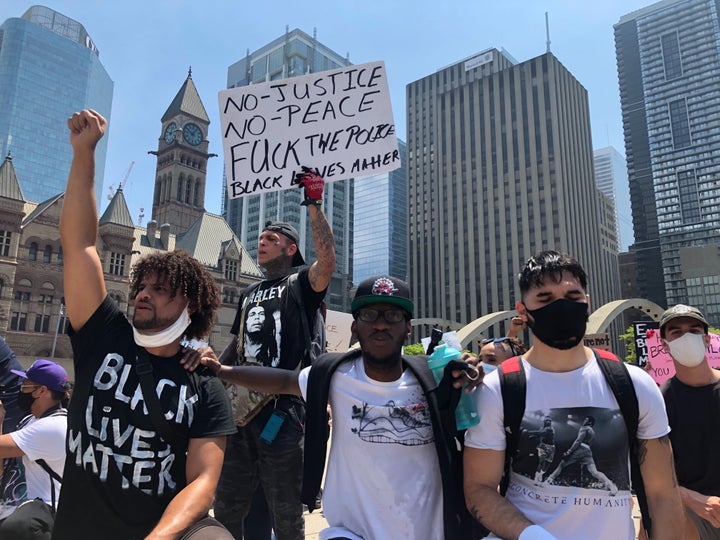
49,65
292,54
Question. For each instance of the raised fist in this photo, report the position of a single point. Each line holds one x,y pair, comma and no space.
313,184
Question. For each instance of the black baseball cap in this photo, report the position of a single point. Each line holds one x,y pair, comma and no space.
291,232
383,290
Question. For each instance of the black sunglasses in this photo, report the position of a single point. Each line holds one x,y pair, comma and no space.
503,339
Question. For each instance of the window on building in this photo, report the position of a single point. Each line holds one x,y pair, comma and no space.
188,189
32,251
47,254
689,197
42,323
117,264
231,268
671,56
18,321
60,256
5,237
679,123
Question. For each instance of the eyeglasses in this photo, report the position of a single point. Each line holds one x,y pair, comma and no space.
33,386
495,340
391,315
504,339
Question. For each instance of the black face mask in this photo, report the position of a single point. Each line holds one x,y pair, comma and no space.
560,325
25,401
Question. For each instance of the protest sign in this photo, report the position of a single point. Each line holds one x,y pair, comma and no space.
661,364
337,121
597,341
337,331
639,329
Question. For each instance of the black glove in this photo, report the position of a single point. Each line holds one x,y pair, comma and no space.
449,396
313,184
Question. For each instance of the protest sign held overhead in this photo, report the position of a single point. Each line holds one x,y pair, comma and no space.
337,121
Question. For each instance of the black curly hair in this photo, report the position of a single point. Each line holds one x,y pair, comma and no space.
187,275
549,264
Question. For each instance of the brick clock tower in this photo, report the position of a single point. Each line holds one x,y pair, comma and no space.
180,176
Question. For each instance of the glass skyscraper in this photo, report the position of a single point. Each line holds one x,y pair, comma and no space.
611,180
49,68
295,53
381,224
668,57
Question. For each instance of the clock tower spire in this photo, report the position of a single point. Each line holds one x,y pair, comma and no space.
182,154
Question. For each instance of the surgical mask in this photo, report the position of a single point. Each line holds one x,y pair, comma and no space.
25,401
163,337
689,349
488,368
561,324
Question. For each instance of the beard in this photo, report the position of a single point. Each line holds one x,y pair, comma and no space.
154,324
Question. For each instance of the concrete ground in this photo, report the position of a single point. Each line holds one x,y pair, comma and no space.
315,522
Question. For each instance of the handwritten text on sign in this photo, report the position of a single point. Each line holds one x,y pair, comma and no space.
661,363
338,121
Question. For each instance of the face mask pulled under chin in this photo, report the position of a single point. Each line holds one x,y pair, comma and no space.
561,324
164,337
689,349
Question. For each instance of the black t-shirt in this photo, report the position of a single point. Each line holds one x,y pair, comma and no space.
694,416
119,474
273,333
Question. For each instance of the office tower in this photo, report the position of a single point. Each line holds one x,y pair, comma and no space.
291,55
611,180
499,168
381,224
669,70
49,68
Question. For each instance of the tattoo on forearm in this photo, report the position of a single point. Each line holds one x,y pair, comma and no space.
475,511
324,242
641,451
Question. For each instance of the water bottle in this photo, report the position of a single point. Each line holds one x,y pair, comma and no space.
465,413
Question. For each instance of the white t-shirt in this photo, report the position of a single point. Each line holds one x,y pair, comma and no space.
589,496
383,478
42,438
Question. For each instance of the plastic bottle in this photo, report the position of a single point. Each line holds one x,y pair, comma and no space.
465,413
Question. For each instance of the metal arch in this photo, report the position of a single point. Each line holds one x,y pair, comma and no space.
436,322
601,318
475,328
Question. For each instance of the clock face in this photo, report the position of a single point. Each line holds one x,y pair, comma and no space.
192,134
170,132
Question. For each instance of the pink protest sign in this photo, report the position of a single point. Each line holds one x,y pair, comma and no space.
661,363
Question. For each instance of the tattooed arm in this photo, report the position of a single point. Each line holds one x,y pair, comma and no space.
482,470
321,270
661,487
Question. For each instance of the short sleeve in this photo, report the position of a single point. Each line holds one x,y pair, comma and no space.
43,439
653,421
213,414
303,381
489,433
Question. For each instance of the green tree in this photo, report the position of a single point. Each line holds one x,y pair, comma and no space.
414,348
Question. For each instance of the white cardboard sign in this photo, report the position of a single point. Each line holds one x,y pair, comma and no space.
337,121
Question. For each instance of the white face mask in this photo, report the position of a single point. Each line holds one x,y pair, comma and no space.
689,349
163,337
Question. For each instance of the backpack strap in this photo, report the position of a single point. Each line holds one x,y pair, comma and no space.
618,378
53,476
316,422
147,384
512,386
296,294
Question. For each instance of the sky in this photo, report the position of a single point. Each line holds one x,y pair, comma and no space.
147,48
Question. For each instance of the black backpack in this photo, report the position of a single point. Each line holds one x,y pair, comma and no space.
315,340
513,385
